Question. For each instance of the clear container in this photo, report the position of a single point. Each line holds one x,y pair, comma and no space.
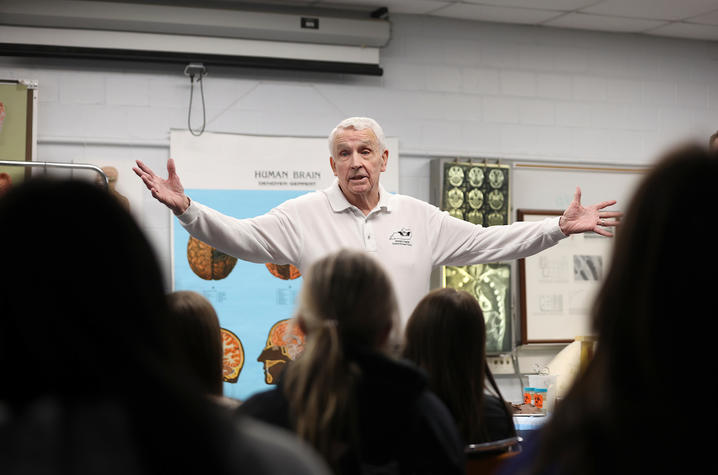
529,395
539,398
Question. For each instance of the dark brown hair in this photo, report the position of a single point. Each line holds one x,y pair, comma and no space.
196,326
446,336
649,313
84,322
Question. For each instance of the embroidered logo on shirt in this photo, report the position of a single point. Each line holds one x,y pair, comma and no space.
401,237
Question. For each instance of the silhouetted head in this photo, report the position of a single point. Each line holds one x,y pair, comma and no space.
654,304
662,269
81,293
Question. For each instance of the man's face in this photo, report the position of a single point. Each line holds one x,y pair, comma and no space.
357,162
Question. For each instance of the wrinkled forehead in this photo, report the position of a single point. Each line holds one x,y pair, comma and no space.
346,137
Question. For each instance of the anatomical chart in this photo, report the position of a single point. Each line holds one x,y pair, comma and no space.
250,298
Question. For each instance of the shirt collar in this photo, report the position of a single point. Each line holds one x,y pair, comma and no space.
339,202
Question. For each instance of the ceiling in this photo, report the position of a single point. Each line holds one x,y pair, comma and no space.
691,19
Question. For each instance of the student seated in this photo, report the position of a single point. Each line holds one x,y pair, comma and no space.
91,378
638,405
196,328
363,410
446,336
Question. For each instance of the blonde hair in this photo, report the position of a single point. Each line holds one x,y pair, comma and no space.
347,302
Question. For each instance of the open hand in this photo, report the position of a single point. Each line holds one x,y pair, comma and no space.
580,219
168,192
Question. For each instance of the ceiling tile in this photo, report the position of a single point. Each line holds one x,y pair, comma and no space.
416,7
705,19
496,14
584,21
653,9
687,30
561,5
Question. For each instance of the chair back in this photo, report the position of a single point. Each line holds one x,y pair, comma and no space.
485,458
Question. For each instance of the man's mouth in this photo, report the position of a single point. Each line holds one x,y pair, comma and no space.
358,177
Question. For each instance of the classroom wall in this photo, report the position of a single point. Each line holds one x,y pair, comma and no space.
450,88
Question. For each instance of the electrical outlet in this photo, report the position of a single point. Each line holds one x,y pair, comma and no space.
500,364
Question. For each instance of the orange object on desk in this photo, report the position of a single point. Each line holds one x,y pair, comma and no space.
528,396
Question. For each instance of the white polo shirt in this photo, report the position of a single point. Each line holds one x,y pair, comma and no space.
408,236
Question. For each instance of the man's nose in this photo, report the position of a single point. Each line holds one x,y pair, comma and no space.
356,160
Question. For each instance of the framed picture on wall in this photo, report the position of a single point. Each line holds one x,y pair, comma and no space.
18,118
558,285
479,192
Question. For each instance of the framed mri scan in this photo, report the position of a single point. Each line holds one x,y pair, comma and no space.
478,192
490,284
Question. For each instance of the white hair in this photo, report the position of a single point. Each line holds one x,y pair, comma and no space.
358,123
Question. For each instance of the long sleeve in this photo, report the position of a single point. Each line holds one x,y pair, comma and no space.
271,237
458,242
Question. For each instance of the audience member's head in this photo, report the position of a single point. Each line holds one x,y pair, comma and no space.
196,328
90,375
446,336
654,308
348,294
81,283
347,304
713,142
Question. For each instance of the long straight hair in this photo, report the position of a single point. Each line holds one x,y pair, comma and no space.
195,325
346,302
607,421
446,336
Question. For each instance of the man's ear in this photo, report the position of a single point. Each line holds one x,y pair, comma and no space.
384,159
333,165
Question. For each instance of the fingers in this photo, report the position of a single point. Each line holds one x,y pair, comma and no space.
577,195
602,232
171,170
610,214
144,168
604,204
604,223
148,183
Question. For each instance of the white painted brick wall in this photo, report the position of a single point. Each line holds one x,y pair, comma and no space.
450,87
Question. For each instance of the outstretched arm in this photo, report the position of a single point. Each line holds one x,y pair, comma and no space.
580,219
168,192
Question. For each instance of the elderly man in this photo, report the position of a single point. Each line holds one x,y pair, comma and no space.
410,237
